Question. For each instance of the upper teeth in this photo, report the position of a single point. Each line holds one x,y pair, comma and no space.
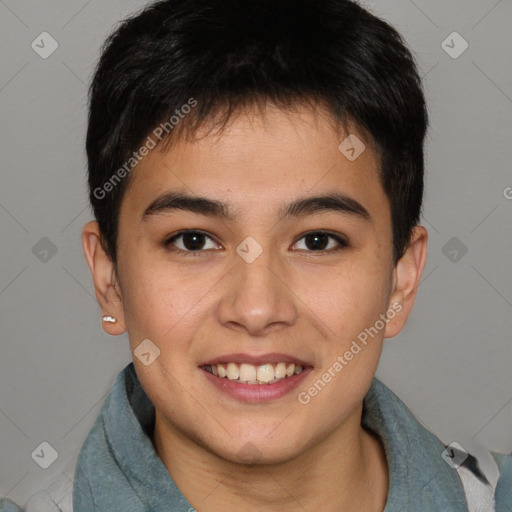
249,374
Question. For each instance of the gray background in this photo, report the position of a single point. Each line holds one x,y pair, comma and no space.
451,365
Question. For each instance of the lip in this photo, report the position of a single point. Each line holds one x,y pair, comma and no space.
257,393
258,360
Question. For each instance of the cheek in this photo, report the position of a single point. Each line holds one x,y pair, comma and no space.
148,306
162,305
347,300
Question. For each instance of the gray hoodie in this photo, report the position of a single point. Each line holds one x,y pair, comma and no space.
118,468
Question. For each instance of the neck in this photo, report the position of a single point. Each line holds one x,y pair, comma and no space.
344,472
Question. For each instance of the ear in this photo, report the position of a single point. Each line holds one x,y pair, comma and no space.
406,279
108,291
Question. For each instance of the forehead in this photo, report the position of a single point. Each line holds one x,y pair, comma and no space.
259,159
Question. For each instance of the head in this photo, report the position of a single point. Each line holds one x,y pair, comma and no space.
286,139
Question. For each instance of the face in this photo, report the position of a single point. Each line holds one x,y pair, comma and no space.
283,266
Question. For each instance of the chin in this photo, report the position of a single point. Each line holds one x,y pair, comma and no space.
258,451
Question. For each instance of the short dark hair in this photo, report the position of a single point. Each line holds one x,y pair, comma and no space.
223,55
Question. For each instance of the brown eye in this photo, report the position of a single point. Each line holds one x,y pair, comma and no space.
318,241
191,241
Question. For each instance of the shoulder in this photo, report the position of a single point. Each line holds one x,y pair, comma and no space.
102,476
452,477
8,506
504,484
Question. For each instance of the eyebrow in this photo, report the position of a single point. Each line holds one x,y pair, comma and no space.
334,202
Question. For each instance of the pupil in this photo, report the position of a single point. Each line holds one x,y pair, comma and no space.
318,241
193,241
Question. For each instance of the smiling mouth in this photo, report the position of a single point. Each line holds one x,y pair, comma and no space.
250,374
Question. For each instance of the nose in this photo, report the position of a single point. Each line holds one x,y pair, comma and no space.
257,298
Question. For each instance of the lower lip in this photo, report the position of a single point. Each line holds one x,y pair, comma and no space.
257,392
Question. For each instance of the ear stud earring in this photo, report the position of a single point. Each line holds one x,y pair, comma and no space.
110,319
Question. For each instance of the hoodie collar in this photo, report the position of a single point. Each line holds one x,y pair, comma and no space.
419,478
129,422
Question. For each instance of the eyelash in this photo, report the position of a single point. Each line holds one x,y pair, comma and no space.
340,240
